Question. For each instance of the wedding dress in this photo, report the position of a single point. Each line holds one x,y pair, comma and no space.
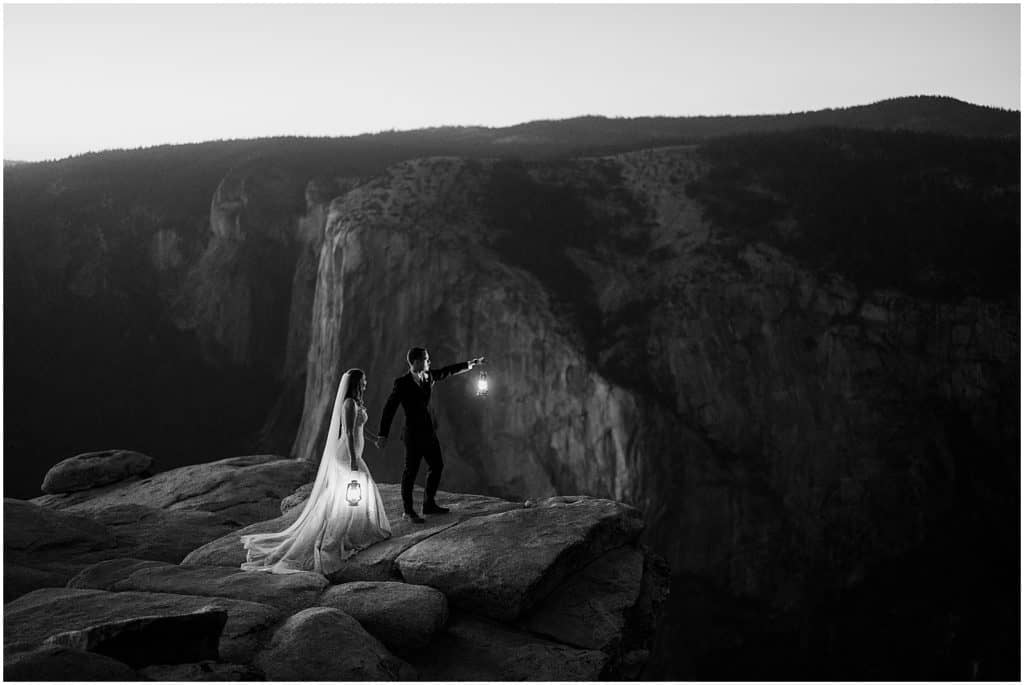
329,530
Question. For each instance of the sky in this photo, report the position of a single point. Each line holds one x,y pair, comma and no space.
82,77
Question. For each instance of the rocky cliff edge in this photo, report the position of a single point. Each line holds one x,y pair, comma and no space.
140,579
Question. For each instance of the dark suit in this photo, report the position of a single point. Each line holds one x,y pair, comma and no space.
419,434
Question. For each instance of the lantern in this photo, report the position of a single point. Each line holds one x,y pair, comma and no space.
481,385
353,493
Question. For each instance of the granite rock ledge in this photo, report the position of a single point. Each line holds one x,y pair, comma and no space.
558,589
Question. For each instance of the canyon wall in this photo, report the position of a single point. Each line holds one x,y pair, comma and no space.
797,353
781,427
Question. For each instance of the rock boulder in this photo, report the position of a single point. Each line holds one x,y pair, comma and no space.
44,548
227,550
404,617
288,592
298,497
501,565
589,609
56,663
29,528
43,613
476,649
144,640
322,643
201,671
20,579
241,489
93,469
376,563
162,534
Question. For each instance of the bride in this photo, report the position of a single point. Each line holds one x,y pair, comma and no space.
329,529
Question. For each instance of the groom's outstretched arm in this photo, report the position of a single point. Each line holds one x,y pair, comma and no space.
449,371
454,369
390,407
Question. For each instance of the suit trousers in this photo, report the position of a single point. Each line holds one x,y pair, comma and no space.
427,448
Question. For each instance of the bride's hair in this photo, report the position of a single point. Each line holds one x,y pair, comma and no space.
354,386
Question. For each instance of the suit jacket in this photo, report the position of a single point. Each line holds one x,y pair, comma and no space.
415,400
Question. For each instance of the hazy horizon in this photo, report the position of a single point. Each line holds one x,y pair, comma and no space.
84,78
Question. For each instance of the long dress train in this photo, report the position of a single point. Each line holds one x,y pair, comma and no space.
329,530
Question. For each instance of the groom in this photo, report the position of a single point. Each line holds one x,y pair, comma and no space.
412,391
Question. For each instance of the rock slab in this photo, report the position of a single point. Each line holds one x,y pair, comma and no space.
297,498
375,563
589,609
20,579
145,640
44,548
93,469
43,613
404,617
288,592
56,663
243,489
322,643
501,565
475,649
105,575
36,530
146,532
201,671
227,550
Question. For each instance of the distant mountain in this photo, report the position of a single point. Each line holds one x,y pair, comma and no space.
922,113
8,163
595,134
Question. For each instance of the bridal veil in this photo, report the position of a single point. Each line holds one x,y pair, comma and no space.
329,529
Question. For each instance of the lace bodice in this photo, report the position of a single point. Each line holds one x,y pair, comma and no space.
360,420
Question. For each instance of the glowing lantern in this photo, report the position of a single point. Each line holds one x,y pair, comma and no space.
481,385
353,493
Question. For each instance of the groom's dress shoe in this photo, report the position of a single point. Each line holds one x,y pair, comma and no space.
434,509
414,517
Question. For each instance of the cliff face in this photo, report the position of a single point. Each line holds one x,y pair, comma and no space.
781,427
844,410
237,295
406,260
